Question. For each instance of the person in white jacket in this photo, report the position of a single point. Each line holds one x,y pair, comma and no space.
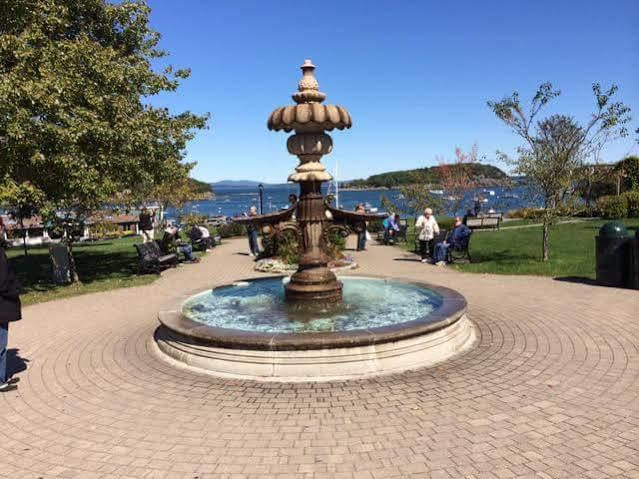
428,228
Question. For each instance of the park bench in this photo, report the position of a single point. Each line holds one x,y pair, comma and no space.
461,253
151,259
400,235
490,221
441,236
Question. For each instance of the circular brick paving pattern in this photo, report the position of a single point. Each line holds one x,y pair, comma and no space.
550,390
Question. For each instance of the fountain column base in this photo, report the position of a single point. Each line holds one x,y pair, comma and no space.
314,284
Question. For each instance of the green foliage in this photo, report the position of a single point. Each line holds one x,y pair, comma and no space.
595,181
201,187
632,198
429,176
612,207
105,229
191,220
516,251
336,245
229,230
74,79
555,148
102,265
287,249
527,213
629,169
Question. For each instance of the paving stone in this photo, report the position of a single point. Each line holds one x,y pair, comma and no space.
551,389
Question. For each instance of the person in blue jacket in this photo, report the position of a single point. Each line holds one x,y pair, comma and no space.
391,227
457,239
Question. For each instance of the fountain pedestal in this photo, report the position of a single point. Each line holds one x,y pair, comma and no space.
315,218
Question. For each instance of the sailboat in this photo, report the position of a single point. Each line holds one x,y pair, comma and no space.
333,187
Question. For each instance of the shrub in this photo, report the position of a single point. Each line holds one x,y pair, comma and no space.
527,213
231,229
287,249
632,198
612,207
191,220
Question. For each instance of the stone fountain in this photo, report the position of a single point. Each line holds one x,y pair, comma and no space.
318,328
316,219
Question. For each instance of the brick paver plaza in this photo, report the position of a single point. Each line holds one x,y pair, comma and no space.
551,389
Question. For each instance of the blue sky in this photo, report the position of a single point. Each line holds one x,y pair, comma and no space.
415,75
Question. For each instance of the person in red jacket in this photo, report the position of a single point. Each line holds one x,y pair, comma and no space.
10,310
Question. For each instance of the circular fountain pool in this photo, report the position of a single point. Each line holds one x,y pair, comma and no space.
248,330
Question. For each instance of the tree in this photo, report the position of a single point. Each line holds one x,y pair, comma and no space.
628,170
415,196
75,76
23,201
555,148
457,179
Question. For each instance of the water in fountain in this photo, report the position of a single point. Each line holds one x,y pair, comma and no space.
259,306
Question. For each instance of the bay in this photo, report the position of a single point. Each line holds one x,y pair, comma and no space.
234,201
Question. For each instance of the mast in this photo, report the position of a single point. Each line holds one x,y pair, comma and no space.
336,187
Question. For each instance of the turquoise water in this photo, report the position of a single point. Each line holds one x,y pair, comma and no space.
259,306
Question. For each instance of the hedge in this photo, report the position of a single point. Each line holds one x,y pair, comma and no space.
613,207
632,199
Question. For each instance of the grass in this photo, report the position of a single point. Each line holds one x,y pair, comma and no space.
101,266
518,251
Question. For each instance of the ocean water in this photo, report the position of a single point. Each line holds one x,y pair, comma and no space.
236,201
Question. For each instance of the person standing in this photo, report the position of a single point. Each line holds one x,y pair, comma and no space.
146,224
428,228
252,234
10,310
361,235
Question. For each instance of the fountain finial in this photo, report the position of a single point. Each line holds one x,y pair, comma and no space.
308,88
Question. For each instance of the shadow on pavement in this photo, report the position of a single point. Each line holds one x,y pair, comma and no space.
577,279
15,362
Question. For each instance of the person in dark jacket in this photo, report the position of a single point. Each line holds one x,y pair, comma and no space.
146,224
10,310
457,239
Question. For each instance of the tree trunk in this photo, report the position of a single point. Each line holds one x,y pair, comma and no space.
72,269
545,248
24,237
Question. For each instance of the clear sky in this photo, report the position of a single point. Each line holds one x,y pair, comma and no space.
415,75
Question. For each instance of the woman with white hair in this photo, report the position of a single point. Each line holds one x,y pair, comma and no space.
428,228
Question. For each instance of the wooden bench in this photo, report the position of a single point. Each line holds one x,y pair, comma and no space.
484,222
151,259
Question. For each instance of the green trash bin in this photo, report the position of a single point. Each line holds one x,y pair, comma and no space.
634,266
613,248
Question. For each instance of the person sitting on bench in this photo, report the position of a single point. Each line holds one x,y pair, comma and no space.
171,241
457,239
391,227
200,237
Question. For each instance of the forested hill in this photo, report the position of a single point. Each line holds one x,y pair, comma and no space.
485,174
201,187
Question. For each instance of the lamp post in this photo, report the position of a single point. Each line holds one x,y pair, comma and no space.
261,188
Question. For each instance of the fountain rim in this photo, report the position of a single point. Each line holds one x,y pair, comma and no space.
452,309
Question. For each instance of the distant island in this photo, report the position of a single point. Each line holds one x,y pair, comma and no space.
202,190
486,175
244,184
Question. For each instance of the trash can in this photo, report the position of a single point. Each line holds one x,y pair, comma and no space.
634,266
613,255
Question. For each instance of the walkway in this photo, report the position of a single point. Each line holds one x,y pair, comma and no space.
551,390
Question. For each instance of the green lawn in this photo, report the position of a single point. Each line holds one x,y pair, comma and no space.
518,251
101,266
